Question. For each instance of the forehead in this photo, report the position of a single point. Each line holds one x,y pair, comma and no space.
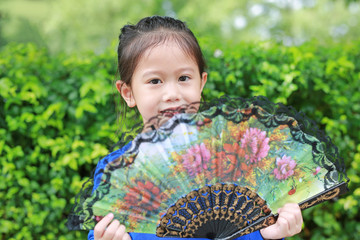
168,49
165,59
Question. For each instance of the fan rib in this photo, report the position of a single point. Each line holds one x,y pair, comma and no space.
221,210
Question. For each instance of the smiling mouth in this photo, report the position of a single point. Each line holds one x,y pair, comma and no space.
172,111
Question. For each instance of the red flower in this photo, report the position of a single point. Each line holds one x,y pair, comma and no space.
144,196
226,164
292,191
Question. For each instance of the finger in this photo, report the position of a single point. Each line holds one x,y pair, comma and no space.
294,209
289,223
101,226
284,221
120,232
126,237
111,230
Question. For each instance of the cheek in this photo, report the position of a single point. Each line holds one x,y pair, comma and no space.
195,95
199,91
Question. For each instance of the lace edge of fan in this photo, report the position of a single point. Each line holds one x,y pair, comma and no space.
74,220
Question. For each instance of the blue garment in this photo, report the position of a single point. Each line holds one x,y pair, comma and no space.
145,236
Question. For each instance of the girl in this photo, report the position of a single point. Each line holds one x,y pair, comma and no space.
161,68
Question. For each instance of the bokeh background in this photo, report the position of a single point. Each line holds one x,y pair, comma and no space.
58,106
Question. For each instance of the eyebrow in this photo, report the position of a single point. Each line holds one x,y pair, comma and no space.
150,72
159,72
186,69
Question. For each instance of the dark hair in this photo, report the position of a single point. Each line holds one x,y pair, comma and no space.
149,32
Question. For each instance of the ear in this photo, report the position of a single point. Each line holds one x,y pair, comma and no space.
203,80
126,93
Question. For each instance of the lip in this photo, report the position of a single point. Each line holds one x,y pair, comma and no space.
170,112
173,110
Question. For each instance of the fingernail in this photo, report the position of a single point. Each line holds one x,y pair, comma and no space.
110,215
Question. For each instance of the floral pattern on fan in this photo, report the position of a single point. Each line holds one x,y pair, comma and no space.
251,152
231,142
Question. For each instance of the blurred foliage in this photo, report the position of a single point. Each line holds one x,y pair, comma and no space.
83,25
57,118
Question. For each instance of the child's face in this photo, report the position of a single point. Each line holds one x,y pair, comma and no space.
164,79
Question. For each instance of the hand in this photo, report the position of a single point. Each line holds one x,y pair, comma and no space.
110,230
288,223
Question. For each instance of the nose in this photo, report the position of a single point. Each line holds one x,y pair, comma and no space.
171,93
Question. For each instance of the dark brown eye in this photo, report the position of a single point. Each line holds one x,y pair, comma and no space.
155,81
183,78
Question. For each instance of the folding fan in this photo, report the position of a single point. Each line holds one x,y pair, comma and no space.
218,171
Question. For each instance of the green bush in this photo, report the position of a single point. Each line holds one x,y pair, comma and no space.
57,118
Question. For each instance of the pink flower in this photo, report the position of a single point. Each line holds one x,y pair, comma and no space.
256,144
285,167
317,170
196,158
